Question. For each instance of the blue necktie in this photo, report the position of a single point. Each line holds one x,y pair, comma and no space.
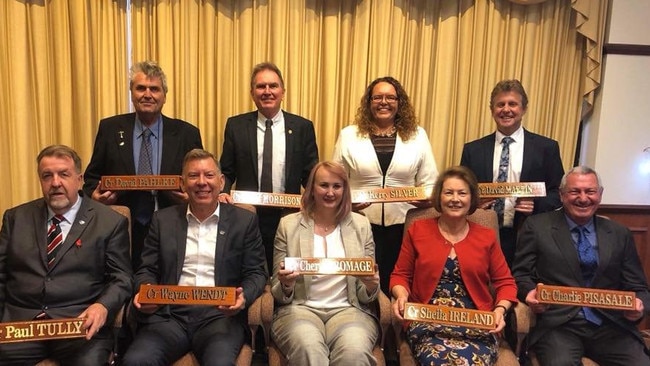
504,162
588,264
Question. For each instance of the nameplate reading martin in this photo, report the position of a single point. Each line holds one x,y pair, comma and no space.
449,315
266,199
512,189
395,194
582,296
186,295
39,330
140,182
339,266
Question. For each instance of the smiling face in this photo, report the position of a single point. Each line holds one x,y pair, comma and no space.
507,111
384,104
148,97
60,182
455,197
581,197
202,181
267,92
328,190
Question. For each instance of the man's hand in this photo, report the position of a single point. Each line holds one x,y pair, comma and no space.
534,304
486,203
105,197
240,304
144,308
637,313
525,205
95,318
225,198
177,196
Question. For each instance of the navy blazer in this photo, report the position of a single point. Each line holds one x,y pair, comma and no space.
239,156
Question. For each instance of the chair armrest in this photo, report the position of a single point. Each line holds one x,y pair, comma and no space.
385,318
266,313
524,319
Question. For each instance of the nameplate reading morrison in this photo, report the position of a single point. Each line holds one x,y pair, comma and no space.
39,330
512,189
140,182
186,295
340,266
449,315
591,297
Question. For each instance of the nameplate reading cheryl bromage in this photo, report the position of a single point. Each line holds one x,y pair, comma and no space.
393,194
186,295
340,266
449,315
584,296
140,182
512,189
266,199
40,330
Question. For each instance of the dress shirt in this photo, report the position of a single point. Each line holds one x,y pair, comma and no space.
514,168
279,150
200,249
69,217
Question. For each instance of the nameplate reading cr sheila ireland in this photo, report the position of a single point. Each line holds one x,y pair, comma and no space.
140,182
512,189
449,315
340,266
584,296
186,295
39,330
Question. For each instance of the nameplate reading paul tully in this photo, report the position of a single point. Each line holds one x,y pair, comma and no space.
512,189
39,330
186,295
340,266
140,182
449,315
583,296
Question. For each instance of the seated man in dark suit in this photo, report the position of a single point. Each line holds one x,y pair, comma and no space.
201,244
574,247
63,256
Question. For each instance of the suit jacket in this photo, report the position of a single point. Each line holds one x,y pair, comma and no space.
546,254
295,238
239,156
92,264
239,254
113,154
541,163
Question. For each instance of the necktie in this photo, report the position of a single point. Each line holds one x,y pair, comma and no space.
146,202
54,238
588,264
266,181
504,162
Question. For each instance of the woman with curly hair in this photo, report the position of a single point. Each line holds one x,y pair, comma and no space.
385,148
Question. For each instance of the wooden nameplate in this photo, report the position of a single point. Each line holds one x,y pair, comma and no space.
449,315
266,199
140,182
394,194
512,189
591,297
40,330
338,266
186,295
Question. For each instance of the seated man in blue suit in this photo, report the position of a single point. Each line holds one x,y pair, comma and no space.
202,243
63,256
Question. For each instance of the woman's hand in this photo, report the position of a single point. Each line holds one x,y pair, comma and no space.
360,206
371,282
499,320
287,279
401,297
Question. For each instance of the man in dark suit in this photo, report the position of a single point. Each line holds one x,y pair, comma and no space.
532,158
574,247
293,145
83,270
118,151
201,244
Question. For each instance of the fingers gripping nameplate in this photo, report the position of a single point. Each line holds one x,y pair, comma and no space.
186,295
40,330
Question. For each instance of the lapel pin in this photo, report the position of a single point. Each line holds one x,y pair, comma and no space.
122,143
78,243
221,232
290,132
121,134
81,222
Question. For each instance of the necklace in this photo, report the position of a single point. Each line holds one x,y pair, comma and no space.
384,133
453,238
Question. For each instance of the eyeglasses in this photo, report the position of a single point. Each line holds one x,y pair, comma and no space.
380,98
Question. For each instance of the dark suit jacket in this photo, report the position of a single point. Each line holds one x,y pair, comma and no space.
113,154
546,254
239,258
92,264
541,163
239,156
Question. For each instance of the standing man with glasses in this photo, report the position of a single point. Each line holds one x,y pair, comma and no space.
267,150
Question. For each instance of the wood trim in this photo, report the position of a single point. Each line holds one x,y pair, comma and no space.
626,49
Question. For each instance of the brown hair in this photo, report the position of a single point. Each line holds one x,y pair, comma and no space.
199,154
505,86
307,202
459,172
266,66
60,151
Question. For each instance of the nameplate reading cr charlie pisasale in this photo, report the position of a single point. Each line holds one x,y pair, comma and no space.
584,296
39,330
449,315
140,182
186,295
340,266
512,189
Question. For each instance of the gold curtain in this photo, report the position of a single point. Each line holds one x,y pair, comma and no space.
62,77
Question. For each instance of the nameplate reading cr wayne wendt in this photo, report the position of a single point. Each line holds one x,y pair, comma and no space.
39,330
186,295
266,198
449,315
584,296
392,194
339,266
140,182
512,189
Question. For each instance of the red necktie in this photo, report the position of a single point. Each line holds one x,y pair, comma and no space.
54,238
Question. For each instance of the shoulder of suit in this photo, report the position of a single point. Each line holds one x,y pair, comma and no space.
294,118
125,117
481,140
177,122
528,134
